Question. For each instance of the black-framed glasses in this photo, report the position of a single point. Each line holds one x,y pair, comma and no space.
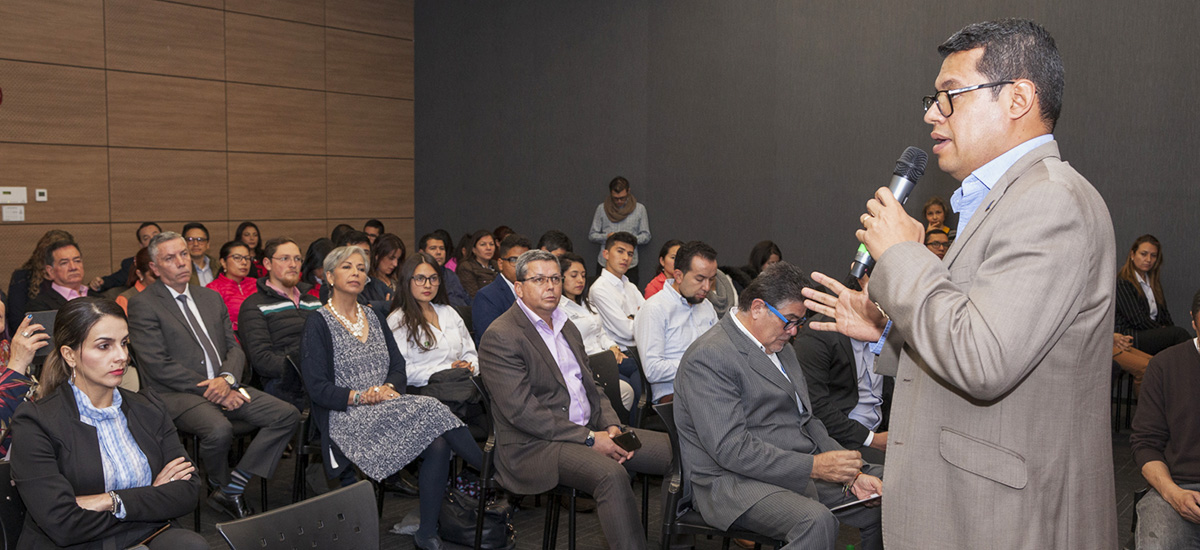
555,280
788,324
422,280
196,239
943,97
239,258
511,259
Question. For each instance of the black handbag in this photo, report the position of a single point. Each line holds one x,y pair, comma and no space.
457,522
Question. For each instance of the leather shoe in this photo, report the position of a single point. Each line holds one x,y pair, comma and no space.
234,505
402,483
432,543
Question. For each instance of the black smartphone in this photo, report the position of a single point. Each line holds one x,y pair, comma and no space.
628,441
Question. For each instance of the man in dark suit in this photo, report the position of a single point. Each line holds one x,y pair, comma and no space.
498,296
187,353
755,455
553,423
118,278
64,271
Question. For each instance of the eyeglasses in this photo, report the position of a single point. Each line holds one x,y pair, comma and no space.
288,259
239,258
543,281
196,239
423,280
788,324
943,97
938,245
511,259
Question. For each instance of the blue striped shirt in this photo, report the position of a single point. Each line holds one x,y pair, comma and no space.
125,465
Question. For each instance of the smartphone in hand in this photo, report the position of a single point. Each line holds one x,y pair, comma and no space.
628,441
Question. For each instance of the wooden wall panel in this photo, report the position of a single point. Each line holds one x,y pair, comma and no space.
164,38
276,120
123,241
387,17
369,126
162,111
163,185
215,4
366,64
304,232
276,187
76,25
281,53
92,238
305,11
52,104
402,227
75,178
387,182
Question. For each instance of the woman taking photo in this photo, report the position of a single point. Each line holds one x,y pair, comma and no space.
1141,307
98,466
666,266
248,233
579,309
478,269
355,377
234,282
431,335
387,253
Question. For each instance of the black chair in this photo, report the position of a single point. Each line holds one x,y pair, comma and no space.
678,516
12,510
1122,398
487,474
605,371
304,447
339,519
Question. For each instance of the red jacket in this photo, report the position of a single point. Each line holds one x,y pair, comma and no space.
234,293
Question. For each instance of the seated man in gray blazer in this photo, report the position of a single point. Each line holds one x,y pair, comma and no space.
188,355
755,456
553,423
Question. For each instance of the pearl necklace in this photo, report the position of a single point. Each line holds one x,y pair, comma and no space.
355,328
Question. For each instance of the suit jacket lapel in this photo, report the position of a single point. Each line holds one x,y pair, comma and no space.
1015,171
170,304
531,332
755,357
792,366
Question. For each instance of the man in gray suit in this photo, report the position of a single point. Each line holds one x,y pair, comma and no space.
553,423
999,434
755,456
188,355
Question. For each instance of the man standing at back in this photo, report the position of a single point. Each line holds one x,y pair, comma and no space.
620,212
999,436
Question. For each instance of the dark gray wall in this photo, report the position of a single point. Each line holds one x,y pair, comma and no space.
742,121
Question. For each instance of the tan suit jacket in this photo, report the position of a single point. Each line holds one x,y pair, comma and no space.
1000,423
530,401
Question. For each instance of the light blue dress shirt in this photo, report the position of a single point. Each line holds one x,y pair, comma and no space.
664,328
969,196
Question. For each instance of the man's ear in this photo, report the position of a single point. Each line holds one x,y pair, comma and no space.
1024,99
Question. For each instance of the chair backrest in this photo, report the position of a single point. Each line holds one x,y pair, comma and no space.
345,518
673,503
604,369
12,510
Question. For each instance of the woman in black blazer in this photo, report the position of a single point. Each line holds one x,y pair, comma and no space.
1152,331
97,466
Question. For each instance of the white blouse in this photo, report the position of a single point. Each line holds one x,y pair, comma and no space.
451,343
590,325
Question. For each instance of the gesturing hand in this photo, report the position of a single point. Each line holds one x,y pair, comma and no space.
854,314
836,466
176,470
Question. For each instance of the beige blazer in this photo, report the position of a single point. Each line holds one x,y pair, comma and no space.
999,434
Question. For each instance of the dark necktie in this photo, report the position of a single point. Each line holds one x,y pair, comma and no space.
214,360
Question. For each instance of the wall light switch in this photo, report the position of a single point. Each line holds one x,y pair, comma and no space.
13,213
40,195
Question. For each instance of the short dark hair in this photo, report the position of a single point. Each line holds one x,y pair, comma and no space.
933,232
1195,305
48,257
778,284
512,241
144,225
618,184
373,223
689,250
353,236
555,240
1012,49
195,225
272,245
620,237
339,230
424,241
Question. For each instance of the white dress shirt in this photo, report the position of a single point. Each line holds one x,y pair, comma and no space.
590,325
1149,292
618,300
450,343
665,327
191,304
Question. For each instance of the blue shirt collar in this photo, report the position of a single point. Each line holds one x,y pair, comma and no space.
967,198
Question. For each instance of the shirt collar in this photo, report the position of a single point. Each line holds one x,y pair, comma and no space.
511,288
292,294
746,331
175,295
990,173
559,317
608,277
68,293
669,287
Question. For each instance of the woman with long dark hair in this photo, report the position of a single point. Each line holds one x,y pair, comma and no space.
312,271
387,253
478,267
248,233
1141,306
234,282
98,466
430,334
140,277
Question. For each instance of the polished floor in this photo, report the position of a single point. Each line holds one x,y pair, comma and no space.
529,519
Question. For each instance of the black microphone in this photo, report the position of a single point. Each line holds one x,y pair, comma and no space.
909,169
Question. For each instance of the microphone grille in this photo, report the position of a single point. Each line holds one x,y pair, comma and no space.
911,165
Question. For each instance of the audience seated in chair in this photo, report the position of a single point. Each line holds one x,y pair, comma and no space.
312,272
757,458
272,322
188,355
64,270
203,268
1166,445
234,280
140,276
613,294
355,376
666,267
27,339
937,242
1142,307
373,228
675,317
248,234
80,421
437,244
554,425
30,279
387,253
586,317
555,242
497,297
477,267
120,277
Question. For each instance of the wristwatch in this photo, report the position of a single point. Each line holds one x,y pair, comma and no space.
229,379
591,439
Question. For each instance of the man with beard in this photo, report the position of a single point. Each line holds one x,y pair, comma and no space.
675,317
271,321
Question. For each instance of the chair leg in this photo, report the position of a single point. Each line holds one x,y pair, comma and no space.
204,485
549,522
264,494
479,515
724,544
645,505
571,522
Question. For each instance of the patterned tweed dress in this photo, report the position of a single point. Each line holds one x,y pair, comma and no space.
380,439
